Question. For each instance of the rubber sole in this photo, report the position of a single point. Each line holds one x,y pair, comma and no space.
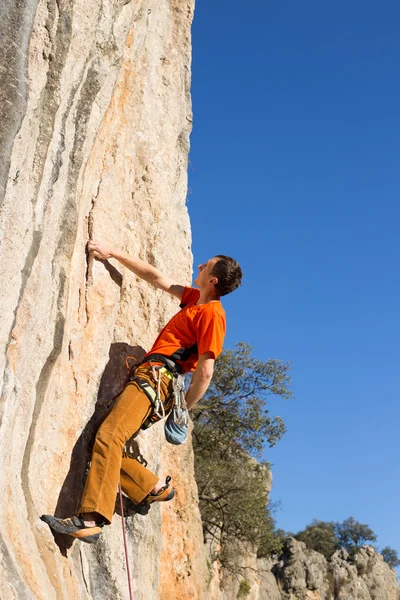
74,527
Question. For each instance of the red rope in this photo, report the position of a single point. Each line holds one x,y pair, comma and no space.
125,544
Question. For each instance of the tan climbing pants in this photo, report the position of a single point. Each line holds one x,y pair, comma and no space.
108,466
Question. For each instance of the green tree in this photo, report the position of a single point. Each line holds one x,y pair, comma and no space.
352,534
391,557
327,537
231,426
235,406
320,536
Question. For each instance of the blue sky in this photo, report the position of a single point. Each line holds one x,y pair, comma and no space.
294,171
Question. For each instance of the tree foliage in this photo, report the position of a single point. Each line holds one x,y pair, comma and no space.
352,534
232,425
327,537
391,557
235,406
320,536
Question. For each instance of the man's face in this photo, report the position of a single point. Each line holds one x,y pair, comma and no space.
204,275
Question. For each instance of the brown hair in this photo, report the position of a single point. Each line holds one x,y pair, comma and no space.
229,275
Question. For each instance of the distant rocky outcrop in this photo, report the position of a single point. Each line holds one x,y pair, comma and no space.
303,574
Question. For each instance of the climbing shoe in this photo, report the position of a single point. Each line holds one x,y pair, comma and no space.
130,508
74,526
165,494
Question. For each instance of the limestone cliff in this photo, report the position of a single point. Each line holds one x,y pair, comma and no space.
95,122
95,117
302,574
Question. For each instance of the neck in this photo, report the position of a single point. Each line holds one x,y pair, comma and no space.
206,296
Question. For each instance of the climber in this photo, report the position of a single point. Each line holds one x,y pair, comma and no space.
190,342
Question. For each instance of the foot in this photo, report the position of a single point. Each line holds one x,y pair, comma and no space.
92,519
73,526
164,493
160,493
130,509
157,487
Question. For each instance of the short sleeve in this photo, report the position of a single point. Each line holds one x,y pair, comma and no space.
190,296
210,330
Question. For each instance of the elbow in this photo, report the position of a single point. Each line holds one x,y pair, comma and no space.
206,373
207,377
205,367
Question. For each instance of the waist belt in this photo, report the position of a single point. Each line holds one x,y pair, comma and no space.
148,389
169,364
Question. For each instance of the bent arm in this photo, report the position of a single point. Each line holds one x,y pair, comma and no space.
201,379
142,269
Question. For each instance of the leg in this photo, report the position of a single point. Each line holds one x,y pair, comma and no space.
137,481
128,414
98,501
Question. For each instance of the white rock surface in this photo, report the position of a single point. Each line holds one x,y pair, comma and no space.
95,137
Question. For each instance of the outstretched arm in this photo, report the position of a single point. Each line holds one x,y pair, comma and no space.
142,269
201,379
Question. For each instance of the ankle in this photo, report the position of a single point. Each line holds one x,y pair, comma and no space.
90,519
161,485
157,487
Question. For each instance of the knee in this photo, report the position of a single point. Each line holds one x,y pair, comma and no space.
108,437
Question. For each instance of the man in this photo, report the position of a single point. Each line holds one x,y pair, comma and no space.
191,341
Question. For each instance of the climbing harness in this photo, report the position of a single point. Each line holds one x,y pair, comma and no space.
125,543
175,403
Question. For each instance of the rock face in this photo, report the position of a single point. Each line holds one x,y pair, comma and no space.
95,136
95,117
302,574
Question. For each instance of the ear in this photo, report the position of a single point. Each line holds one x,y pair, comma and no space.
214,280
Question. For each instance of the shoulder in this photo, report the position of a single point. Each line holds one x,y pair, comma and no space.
190,296
212,310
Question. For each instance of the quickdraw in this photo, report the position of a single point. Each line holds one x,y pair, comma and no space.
179,409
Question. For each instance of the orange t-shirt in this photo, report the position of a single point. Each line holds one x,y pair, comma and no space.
203,324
